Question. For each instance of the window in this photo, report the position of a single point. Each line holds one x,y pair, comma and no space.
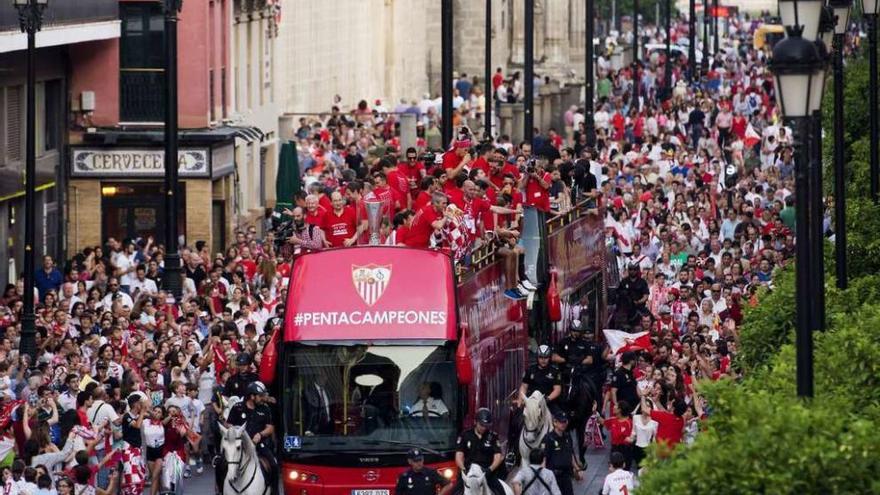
52,112
141,67
14,121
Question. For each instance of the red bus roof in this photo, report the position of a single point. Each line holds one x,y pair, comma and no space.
371,293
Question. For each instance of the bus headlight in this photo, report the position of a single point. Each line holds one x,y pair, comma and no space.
448,473
303,476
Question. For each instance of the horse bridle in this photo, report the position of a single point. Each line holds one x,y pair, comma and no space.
533,432
253,476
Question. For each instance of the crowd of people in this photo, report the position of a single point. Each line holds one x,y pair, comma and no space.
695,181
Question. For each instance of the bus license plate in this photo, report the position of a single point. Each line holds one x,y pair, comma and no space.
370,492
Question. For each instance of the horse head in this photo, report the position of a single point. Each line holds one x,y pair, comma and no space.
473,480
237,447
534,411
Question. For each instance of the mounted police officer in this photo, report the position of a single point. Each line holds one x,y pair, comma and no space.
544,377
559,454
420,480
238,383
480,446
256,417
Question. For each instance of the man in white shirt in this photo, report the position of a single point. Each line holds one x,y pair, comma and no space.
428,406
619,481
126,265
141,284
113,293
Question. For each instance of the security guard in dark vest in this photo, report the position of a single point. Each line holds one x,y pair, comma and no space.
256,417
420,480
480,446
543,377
559,454
237,383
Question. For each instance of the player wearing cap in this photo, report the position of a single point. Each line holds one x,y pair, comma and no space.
543,376
559,454
480,446
237,384
419,479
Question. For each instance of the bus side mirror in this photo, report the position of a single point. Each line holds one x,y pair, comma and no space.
463,365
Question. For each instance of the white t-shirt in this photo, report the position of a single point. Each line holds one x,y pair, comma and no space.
154,433
100,412
645,432
618,482
126,262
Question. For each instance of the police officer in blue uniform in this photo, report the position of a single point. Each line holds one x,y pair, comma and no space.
559,454
480,446
420,480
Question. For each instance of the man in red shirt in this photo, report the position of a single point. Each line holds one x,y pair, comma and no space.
427,220
340,224
497,79
452,189
426,188
397,181
456,159
384,193
314,211
536,183
670,425
487,153
413,170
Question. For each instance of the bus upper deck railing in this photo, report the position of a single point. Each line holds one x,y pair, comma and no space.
487,253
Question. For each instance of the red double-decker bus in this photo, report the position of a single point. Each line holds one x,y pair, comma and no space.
389,348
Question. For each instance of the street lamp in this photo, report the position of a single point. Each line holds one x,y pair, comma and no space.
692,37
171,280
30,18
871,8
817,206
842,10
804,13
635,73
799,73
667,68
589,122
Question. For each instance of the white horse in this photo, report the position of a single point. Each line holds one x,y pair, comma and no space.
475,482
244,475
537,422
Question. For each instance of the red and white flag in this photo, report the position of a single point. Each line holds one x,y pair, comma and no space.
752,137
620,341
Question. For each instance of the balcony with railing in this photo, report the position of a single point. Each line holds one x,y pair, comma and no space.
64,12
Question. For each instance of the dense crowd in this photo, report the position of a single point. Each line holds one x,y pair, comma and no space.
695,181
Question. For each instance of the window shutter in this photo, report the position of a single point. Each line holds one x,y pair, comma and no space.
13,122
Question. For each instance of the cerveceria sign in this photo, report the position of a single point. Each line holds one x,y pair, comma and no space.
136,162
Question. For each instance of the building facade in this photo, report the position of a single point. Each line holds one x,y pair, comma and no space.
68,27
116,168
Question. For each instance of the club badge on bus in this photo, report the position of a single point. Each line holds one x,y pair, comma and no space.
370,281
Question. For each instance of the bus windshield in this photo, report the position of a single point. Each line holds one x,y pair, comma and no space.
384,398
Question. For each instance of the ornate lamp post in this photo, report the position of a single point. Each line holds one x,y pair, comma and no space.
842,10
871,9
799,72
171,279
30,17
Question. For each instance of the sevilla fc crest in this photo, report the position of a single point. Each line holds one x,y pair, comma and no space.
370,281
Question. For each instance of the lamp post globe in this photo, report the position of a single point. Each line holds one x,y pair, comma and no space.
798,68
803,13
842,10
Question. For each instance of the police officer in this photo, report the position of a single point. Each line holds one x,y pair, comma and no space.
256,417
559,454
573,353
420,480
237,383
543,376
480,446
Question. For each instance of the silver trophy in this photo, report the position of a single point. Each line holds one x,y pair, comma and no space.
374,220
